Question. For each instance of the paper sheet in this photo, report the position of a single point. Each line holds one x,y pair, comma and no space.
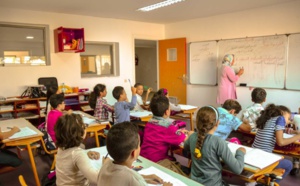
187,107
25,131
166,177
88,121
139,114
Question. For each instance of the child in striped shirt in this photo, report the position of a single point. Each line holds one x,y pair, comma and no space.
271,126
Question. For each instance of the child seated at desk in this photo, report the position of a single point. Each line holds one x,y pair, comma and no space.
164,92
159,132
140,104
73,166
271,125
98,103
122,107
258,96
207,149
51,90
123,145
229,121
8,160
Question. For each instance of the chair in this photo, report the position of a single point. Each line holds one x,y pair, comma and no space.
50,152
22,181
269,178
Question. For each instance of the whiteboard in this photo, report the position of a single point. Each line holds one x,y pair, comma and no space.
203,63
263,58
293,68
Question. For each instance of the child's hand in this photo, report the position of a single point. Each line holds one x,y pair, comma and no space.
133,90
152,179
242,149
149,90
69,111
15,129
104,159
93,155
167,184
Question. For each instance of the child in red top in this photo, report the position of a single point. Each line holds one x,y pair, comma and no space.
58,105
160,133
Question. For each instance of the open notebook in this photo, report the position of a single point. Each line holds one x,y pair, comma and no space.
24,132
256,157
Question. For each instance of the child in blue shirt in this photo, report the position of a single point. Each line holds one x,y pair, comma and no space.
122,107
271,126
229,121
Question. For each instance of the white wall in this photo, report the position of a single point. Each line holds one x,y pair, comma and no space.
66,66
278,19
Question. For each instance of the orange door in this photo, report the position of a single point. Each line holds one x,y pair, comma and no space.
172,67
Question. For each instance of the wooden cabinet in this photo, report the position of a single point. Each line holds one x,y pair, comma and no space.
69,39
34,108
20,108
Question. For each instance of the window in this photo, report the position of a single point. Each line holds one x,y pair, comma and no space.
100,59
24,44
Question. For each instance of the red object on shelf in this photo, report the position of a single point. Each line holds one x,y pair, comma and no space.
69,39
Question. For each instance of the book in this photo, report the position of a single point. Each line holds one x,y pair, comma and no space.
256,157
187,107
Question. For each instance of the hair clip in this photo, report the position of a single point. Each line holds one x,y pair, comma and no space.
165,91
197,153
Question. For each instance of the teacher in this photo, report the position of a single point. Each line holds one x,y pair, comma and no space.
227,80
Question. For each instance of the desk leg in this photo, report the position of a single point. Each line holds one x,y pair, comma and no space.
191,122
97,139
36,176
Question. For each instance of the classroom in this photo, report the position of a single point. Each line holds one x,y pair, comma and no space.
277,17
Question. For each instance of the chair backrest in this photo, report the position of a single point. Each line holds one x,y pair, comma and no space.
48,81
22,181
173,100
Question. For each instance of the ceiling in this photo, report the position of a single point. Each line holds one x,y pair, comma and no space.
126,9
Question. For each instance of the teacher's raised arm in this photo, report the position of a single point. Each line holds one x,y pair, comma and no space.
227,79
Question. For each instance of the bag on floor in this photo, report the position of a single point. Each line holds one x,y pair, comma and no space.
49,179
172,165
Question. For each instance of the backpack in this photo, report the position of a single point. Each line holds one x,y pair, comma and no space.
49,179
172,165
50,145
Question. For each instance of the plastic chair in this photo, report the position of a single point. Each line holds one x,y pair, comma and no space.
22,180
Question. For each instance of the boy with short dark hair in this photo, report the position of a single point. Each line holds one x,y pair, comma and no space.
258,96
160,133
57,102
123,145
122,107
229,121
140,104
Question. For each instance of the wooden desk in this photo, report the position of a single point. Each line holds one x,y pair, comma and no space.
26,141
190,113
146,164
292,150
144,116
94,127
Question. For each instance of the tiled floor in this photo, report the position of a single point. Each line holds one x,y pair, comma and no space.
43,163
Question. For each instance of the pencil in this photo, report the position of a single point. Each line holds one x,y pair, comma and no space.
106,156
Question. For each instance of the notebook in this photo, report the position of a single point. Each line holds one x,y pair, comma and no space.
24,132
139,114
256,157
187,107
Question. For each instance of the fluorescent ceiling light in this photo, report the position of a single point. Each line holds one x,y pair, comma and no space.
159,5
29,37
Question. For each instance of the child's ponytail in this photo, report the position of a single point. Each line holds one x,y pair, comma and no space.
207,118
94,95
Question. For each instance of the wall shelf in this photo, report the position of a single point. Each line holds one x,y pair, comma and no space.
69,40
